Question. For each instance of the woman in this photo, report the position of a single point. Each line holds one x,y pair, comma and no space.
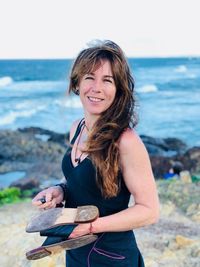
106,163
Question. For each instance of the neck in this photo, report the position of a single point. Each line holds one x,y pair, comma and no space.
90,121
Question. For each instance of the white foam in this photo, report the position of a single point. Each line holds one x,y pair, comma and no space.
13,115
192,76
23,105
44,86
4,81
43,137
71,102
149,88
181,69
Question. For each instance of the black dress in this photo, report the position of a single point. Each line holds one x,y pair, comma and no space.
111,248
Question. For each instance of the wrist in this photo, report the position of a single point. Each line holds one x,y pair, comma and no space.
94,227
90,228
63,188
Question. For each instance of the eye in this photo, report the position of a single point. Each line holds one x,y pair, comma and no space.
108,80
89,77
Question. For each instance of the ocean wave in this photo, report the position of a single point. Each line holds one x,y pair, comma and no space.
6,80
70,102
10,117
181,69
40,86
149,88
26,105
192,76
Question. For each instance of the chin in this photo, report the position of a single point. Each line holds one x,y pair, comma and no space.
95,111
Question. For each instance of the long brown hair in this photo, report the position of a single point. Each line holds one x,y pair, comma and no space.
102,144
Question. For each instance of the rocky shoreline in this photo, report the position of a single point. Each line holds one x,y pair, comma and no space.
38,153
173,241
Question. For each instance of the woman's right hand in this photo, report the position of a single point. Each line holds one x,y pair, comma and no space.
53,196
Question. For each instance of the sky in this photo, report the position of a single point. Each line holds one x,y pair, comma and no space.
61,28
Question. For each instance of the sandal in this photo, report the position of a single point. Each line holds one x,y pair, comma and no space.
58,216
53,245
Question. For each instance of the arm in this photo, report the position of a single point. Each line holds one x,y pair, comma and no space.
139,179
55,194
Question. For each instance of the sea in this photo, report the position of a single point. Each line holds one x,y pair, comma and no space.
34,93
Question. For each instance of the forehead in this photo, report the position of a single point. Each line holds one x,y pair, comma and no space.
103,65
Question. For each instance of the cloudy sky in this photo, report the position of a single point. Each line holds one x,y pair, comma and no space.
60,28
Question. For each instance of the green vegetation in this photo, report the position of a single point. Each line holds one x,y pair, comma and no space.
9,195
14,194
181,194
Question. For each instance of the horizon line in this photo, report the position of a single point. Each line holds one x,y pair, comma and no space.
128,57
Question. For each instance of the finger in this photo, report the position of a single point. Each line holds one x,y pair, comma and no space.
49,196
42,200
37,201
46,205
53,203
39,195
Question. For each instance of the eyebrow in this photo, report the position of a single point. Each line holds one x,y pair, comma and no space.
109,76
105,76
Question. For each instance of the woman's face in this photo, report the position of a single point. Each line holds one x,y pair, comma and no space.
97,90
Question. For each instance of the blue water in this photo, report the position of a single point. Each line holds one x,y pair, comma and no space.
33,93
7,178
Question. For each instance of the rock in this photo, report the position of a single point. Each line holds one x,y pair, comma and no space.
175,144
41,159
196,215
185,177
183,241
163,147
26,183
185,196
160,165
27,148
52,136
38,159
192,209
169,254
150,263
191,159
167,208
173,241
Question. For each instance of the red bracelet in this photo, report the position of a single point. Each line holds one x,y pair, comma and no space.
90,229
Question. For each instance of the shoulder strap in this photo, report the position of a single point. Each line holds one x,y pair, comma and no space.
78,129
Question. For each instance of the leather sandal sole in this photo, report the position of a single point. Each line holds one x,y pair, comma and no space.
68,244
58,216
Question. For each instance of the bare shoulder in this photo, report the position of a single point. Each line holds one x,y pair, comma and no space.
73,129
129,140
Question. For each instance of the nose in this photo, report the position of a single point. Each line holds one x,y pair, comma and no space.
96,87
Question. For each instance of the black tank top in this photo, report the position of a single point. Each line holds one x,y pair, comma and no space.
82,188
111,248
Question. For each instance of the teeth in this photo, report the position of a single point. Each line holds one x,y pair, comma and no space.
95,99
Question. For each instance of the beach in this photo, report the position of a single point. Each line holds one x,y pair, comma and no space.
173,241
35,118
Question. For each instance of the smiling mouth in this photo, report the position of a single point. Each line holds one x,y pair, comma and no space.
95,99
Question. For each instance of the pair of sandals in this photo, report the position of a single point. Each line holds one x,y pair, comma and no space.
57,224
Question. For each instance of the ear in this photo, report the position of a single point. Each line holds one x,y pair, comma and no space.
76,91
